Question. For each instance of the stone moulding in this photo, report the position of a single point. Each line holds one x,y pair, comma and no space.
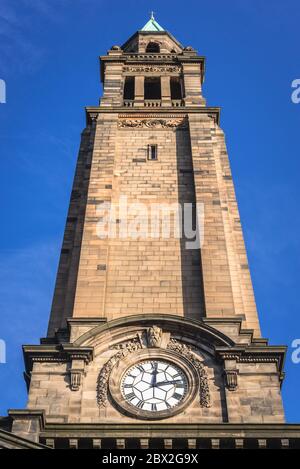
195,329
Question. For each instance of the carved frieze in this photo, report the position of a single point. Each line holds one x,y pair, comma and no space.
152,68
153,123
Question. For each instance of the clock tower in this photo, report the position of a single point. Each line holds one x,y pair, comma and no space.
153,339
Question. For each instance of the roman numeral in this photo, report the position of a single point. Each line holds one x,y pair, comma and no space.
179,385
140,404
153,407
130,396
177,396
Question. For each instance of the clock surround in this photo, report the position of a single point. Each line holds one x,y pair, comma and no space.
154,385
161,355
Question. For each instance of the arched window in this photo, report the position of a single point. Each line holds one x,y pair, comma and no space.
153,47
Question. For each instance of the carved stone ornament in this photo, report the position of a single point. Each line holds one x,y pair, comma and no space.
124,349
151,68
93,116
154,336
153,123
231,379
76,378
186,351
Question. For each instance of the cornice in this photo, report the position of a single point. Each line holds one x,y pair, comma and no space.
201,430
154,59
93,111
176,322
55,353
156,430
255,354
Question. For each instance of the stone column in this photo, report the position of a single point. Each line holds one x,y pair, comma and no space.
139,91
165,91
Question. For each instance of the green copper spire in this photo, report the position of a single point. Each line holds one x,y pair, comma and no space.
152,25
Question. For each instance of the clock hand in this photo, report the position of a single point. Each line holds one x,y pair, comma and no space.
154,374
164,383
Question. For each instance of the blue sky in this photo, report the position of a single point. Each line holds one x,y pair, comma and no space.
49,59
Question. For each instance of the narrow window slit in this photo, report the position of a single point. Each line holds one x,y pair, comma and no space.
152,152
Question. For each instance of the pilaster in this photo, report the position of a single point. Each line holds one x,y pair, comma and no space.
165,91
139,91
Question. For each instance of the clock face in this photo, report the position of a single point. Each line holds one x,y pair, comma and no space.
154,385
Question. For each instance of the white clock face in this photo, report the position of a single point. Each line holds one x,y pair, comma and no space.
154,385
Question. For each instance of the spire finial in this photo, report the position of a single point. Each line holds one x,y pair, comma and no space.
152,24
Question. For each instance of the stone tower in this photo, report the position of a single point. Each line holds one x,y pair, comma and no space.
152,328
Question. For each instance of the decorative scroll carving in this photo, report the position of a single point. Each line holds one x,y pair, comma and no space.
151,68
123,350
153,123
231,379
186,351
154,336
